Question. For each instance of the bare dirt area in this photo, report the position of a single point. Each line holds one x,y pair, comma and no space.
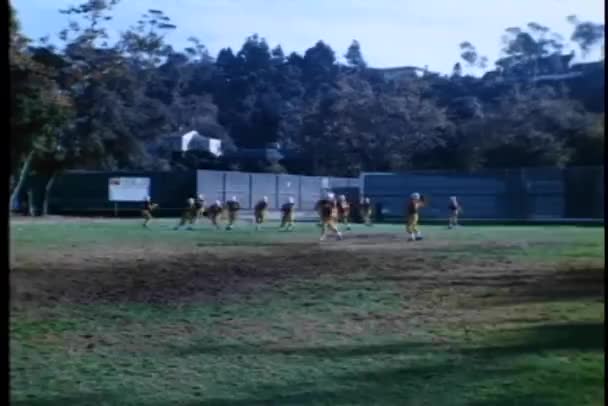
157,274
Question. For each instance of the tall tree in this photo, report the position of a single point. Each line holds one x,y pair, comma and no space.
586,34
470,55
354,57
39,109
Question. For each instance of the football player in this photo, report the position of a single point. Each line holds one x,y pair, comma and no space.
366,211
288,214
188,215
328,211
413,209
147,210
260,211
343,211
455,209
214,212
199,204
232,207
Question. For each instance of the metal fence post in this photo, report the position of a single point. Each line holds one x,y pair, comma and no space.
276,190
524,194
250,191
300,192
224,176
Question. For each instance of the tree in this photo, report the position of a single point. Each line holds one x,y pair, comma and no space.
524,48
39,108
319,67
533,127
278,56
471,57
354,57
586,34
457,70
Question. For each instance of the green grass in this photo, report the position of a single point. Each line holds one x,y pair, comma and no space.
355,338
560,240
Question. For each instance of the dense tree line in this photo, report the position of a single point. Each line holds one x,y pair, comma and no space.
96,103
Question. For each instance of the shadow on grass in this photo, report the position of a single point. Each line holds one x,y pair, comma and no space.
463,374
557,286
74,400
324,351
582,337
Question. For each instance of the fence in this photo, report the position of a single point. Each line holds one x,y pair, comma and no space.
526,194
249,188
86,192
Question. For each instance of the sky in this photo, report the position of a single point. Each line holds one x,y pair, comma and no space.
391,32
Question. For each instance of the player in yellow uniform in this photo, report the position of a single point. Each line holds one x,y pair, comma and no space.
232,207
214,212
366,211
455,209
288,214
199,205
259,212
343,211
147,211
328,210
413,209
188,215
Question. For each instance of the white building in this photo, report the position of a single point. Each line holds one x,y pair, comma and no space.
193,141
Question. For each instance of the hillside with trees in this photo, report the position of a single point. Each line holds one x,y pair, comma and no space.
97,103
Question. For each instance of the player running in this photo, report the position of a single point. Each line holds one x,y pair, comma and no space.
413,208
214,212
233,207
455,209
147,211
366,211
199,205
188,215
328,210
259,212
288,215
343,211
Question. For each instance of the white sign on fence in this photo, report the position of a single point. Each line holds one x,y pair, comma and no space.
128,189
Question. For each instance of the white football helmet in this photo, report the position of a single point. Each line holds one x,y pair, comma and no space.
290,200
415,196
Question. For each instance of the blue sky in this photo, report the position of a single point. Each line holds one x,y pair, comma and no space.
391,32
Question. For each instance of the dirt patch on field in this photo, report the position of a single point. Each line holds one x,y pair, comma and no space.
159,274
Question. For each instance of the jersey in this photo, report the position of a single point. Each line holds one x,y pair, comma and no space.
453,206
325,208
233,206
413,207
199,204
261,206
343,208
287,208
214,210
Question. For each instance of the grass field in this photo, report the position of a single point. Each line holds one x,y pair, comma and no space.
104,312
